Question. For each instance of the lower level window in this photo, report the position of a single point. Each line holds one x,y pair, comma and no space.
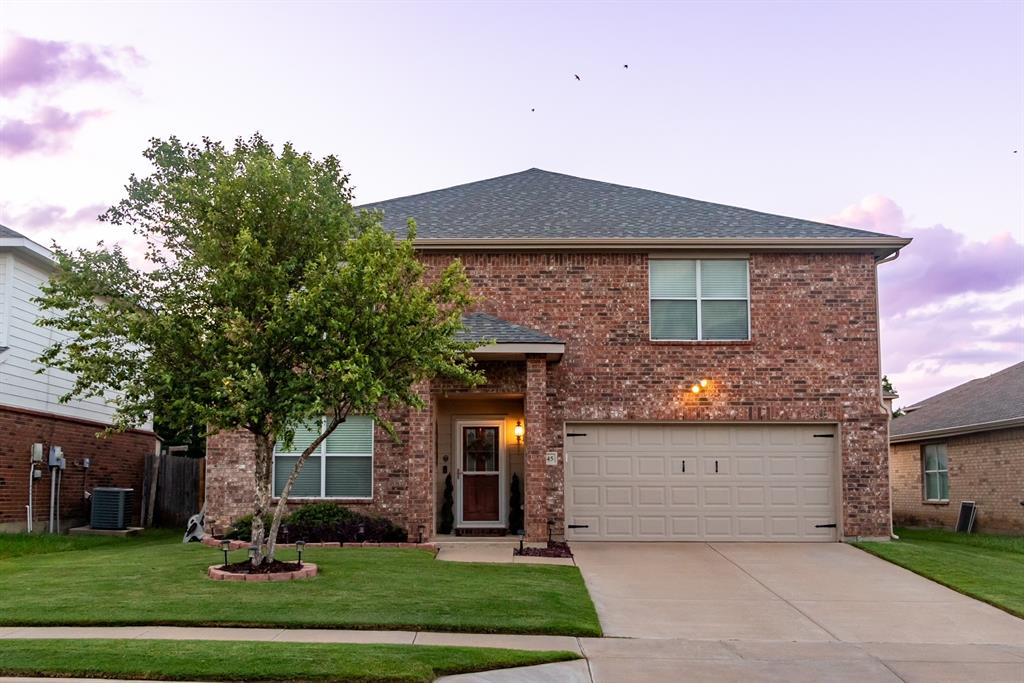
342,467
936,472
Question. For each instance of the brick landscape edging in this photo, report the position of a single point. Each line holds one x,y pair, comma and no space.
307,571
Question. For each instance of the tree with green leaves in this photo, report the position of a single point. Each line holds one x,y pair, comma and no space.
266,301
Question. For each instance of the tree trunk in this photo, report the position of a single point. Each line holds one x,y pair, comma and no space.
282,500
261,499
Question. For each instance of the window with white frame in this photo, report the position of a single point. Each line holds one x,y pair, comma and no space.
342,467
705,299
936,472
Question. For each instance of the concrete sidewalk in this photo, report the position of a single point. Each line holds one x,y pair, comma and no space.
296,635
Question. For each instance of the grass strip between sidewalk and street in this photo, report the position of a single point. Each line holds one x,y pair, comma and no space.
256,661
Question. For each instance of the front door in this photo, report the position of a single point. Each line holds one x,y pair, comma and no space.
480,455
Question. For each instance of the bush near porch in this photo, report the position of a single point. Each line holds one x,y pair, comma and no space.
155,579
325,523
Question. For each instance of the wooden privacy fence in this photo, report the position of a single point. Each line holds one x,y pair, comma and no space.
180,483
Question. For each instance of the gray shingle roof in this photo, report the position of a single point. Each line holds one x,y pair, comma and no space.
995,398
7,232
481,326
544,205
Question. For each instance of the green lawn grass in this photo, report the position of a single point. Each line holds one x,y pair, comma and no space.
255,661
19,545
155,580
984,566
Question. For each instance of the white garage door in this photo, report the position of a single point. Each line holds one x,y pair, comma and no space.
700,482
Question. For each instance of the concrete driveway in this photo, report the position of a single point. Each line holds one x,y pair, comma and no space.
785,612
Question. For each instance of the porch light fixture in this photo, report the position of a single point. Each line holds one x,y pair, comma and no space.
225,546
699,386
518,431
299,545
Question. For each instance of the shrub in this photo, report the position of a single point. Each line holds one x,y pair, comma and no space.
326,523
241,528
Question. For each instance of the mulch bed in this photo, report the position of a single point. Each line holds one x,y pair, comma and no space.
554,549
275,567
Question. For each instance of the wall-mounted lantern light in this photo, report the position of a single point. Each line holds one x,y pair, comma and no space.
518,431
699,386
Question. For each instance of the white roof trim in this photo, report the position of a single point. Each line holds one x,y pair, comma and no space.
29,248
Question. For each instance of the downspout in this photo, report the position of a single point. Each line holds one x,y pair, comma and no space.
881,401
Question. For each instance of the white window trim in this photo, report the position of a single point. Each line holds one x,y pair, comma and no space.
7,288
698,299
323,467
925,472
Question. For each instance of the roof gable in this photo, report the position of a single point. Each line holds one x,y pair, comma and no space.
538,204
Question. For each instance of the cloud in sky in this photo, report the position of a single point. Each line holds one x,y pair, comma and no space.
31,71
952,309
28,63
50,130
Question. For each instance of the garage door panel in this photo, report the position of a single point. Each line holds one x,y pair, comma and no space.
651,495
717,496
618,465
750,527
618,496
652,527
685,528
710,437
585,465
685,496
582,496
682,436
816,465
618,436
616,526
750,465
659,482
750,496
782,465
649,465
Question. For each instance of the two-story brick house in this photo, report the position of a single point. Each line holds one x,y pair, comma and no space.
664,369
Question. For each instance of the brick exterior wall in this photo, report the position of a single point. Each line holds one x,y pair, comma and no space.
812,357
117,460
987,467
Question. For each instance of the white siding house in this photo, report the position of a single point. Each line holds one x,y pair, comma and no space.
24,267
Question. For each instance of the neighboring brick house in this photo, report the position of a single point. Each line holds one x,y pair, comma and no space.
678,370
30,411
966,443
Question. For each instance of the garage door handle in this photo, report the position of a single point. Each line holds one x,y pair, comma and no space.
716,467
576,434
579,526
825,526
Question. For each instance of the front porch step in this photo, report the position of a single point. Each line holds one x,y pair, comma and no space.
475,532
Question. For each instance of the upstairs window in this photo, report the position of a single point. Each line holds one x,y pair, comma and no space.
342,467
705,299
936,472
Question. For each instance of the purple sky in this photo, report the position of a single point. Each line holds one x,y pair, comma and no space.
900,117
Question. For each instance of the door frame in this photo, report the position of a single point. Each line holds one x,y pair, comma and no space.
501,522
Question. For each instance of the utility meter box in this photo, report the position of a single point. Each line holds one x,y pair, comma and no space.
37,452
56,457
